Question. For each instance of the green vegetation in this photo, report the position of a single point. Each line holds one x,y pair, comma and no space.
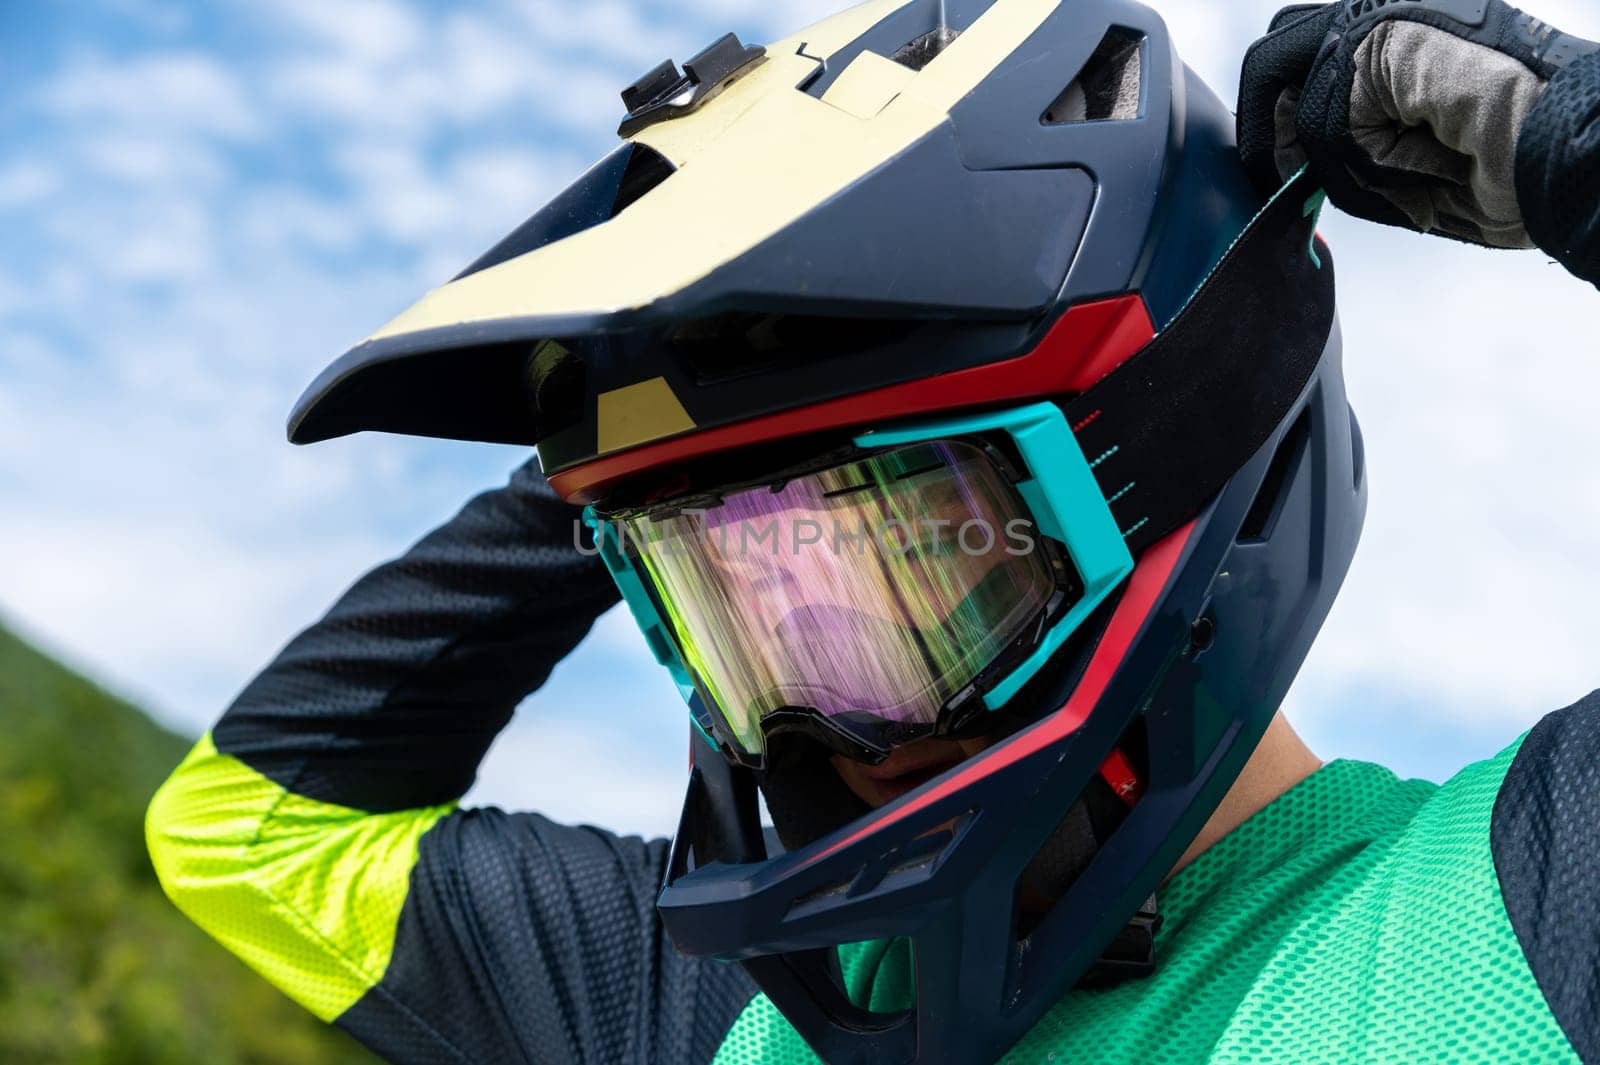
96,967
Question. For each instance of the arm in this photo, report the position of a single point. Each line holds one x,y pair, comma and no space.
315,832
1466,118
1545,838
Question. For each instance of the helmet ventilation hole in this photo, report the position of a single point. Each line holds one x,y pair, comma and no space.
556,380
1087,825
1109,88
921,51
1358,450
607,189
1263,515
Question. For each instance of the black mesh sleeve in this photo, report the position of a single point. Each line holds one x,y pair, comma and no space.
390,701
519,940
1558,168
526,941
1545,835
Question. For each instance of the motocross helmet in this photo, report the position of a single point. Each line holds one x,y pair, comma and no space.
992,265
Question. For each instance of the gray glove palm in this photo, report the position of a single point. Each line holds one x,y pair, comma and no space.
1409,111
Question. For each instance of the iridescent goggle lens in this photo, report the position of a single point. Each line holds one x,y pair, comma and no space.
859,603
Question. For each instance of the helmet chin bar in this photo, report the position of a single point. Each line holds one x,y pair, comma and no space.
932,873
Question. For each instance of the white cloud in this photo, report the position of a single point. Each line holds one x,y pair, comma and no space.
161,91
370,30
142,160
613,30
159,606
27,182
174,244
421,73
284,220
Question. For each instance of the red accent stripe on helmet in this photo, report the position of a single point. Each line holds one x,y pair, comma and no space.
1088,342
1138,600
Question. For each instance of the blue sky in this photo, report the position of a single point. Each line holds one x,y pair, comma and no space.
200,206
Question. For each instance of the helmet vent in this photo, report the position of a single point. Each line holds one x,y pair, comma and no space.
1087,825
557,384
1109,88
923,50
1358,450
610,187
1258,524
646,169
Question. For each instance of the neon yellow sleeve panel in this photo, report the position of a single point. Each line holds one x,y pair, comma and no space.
306,893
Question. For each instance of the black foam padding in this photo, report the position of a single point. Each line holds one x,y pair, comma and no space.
1558,169
1545,836
1067,853
526,941
1168,428
805,796
390,701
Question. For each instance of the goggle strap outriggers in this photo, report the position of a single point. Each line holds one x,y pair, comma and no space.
1167,429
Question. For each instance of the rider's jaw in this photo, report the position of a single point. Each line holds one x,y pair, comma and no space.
908,767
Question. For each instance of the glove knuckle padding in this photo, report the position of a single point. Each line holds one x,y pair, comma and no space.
1444,111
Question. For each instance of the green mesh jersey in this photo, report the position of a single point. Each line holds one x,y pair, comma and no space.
1357,918
317,834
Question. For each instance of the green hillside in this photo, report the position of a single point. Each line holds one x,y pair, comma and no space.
95,965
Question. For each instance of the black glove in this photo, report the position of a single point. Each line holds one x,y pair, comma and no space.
1412,113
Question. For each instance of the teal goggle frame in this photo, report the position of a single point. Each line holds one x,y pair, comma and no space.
1059,489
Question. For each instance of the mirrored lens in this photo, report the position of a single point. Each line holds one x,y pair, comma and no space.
867,594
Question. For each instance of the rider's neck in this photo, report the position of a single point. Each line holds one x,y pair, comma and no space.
1281,761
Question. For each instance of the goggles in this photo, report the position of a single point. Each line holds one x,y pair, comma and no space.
876,598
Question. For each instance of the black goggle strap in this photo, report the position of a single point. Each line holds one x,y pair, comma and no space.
1166,430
